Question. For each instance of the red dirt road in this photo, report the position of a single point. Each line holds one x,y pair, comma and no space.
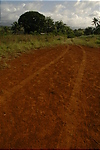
50,98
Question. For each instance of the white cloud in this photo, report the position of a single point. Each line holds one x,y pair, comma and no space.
58,8
11,11
73,13
32,6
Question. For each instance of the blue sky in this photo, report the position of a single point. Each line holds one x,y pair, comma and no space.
76,13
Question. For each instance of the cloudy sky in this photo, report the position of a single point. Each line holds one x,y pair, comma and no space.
76,13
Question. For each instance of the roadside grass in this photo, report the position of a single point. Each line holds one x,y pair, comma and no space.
91,40
13,45
10,45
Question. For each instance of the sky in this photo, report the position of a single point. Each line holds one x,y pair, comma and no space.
74,13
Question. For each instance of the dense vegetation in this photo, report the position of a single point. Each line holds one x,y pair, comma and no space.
35,23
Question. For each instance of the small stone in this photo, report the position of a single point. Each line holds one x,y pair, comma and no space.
4,114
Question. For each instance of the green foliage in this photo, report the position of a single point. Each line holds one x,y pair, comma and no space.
32,21
98,42
88,31
14,44
95,22
97,25
70,32
97,30
4,30
16,28
49,25
79,32
60,27
88,40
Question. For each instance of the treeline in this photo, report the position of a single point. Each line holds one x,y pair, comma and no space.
96,30
35,23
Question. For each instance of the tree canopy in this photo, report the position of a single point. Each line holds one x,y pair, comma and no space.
35,22
97,25
32,21
88,31
96,22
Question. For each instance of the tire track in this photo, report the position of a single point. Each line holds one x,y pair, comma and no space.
72,123
25,81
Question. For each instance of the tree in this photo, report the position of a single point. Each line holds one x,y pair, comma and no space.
16,28
69,32
78,32
60,27
95,21
97,25
88,31
97,30
49,25
32,21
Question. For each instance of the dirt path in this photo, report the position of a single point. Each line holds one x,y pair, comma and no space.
30,77
51,99
74,103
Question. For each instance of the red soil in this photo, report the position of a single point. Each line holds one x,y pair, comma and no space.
50,98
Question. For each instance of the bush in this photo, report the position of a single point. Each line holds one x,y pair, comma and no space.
71,35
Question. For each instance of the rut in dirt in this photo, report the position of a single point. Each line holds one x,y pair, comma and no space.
47,100
25,81
73,106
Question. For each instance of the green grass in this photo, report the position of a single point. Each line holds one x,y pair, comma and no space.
10,45
14,45
91,40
